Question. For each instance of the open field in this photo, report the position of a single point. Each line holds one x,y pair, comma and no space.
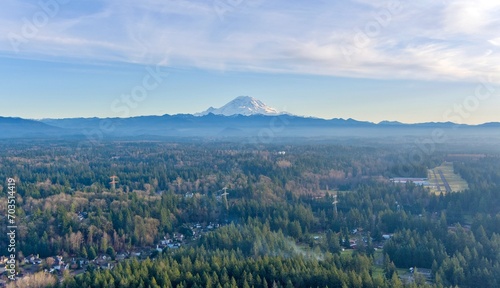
442,179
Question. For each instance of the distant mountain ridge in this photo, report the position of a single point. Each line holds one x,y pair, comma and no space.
14,127
242,117
220,126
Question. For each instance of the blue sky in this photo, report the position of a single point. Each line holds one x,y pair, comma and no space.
363,59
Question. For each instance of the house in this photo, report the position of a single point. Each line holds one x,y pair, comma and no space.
82,215
33,259
387,236
178,237
106,266
80,261
174,246
58,264
416,181
121,256
352,244
165,242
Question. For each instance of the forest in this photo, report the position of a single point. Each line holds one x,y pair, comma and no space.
296,214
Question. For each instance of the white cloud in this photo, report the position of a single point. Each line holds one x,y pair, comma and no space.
470,17
450,40
495,41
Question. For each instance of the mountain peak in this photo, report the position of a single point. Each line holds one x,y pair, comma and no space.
242,105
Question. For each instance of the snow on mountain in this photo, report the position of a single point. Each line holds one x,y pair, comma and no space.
242,105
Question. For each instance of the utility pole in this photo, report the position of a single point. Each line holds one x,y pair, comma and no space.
114,180
224,195
335,202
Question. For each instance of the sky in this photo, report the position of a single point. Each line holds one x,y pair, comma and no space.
407,61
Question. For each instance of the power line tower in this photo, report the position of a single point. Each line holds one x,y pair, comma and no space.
335,202
114,180
224,195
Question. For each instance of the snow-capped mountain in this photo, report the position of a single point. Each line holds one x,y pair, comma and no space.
242,105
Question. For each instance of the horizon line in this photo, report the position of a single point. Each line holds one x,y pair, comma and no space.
261,115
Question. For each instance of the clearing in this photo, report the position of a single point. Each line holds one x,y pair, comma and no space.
443,179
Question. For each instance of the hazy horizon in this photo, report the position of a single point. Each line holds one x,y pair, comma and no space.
281,111
365,60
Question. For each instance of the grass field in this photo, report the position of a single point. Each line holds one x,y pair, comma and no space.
455,182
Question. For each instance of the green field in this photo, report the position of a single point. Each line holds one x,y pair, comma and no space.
436,183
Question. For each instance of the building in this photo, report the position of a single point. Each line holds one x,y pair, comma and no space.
416,181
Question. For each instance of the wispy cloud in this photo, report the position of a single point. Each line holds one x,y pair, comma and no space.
446,40
466,17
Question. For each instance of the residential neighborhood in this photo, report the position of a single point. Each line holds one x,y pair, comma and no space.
58,264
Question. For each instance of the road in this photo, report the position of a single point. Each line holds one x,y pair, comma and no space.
437,181
445,182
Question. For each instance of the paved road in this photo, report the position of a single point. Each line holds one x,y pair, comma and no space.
445,182
437,181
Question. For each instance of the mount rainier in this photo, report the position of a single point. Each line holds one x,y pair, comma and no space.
242,105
